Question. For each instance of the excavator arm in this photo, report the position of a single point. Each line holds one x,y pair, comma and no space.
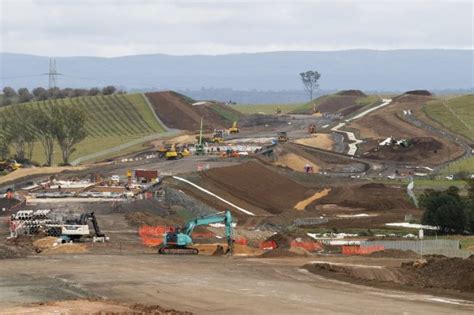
177,242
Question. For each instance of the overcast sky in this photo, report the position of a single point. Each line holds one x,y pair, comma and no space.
127,27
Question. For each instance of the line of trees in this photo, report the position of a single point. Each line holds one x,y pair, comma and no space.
21,127
449,210
23,95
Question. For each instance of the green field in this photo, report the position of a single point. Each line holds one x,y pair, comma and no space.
463,106
110,121
265,108
466,165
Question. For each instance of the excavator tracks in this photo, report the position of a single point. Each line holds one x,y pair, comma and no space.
178,251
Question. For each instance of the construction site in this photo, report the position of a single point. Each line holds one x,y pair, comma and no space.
245,214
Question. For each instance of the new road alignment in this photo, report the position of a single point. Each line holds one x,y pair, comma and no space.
350,135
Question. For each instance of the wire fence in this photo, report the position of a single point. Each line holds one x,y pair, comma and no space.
449,248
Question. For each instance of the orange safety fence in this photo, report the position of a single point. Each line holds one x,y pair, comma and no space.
359,250
268,245
151,241
159,230
241,241
309,246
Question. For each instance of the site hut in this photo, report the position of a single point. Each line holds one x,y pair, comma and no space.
146,176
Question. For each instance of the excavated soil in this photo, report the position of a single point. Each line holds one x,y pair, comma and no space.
318,195
91,306
450,276
295,162
258,185
420,148
337,104
367,197
321,141
284,252
389,121
394,253
177,112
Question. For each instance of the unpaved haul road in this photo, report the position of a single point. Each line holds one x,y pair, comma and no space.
205,285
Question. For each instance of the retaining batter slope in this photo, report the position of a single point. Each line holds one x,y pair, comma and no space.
177,111
257,185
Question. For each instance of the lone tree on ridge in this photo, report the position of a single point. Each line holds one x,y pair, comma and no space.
310,81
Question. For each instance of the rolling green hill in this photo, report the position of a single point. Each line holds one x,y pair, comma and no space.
110,121
344,103
456,114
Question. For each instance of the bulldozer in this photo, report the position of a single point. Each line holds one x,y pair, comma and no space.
9,165
282,137
218,136
234,128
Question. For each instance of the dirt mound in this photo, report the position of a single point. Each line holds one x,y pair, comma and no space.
304,203
254,120
177,111
68,248
321,141
45,243
258,185
295,162
219,249
419,148
446,273
356,93
419,92
394,253
91,306
371,198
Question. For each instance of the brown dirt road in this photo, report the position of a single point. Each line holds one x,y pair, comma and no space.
387,122
205,285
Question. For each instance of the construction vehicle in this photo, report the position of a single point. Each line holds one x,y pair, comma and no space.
179,241
218,136
312,129
9,165
76,229
234,128
29,222
200,145
282,137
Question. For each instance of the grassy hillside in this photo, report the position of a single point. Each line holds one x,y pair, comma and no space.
110,121
266,108
458,119
466,165
341,102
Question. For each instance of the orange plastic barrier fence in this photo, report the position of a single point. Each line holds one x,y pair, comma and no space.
146,230
241,241
151,241
309,246
268,245
358,250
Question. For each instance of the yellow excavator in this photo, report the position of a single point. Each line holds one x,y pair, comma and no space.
9,165
234,128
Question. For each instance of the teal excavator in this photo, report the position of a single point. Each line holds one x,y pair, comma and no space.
179,241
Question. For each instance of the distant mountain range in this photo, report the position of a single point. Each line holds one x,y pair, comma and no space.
391,70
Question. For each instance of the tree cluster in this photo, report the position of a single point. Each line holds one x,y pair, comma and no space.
448,210
23,95
21,127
